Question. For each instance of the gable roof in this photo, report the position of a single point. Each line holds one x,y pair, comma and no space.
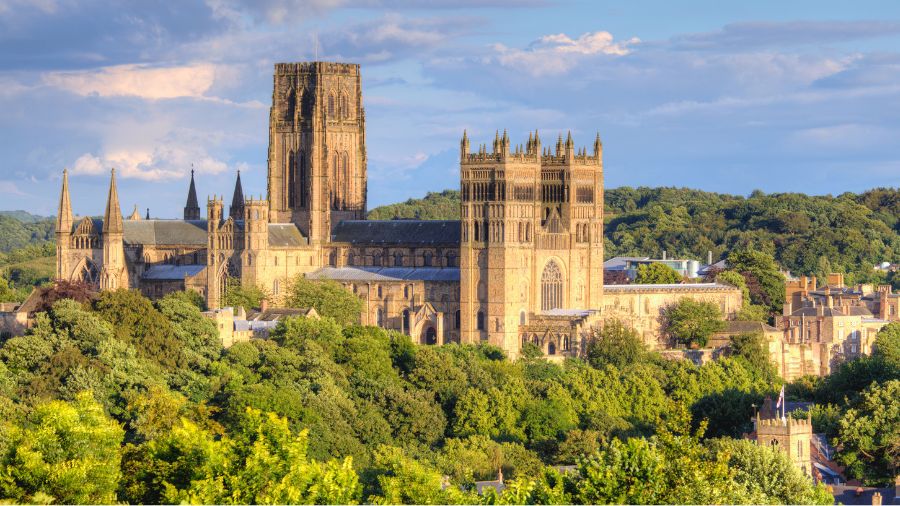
187,232
386,273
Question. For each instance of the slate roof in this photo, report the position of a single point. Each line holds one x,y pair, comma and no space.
397,232
686,287
386,273
172,272
834,311
283,235
847,494
191,233
619,263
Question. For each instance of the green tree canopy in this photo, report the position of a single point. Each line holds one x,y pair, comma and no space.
656,273
693,322
615,344
327,297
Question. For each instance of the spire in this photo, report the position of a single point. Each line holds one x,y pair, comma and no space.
64,214
112,219
148,214
192,207
464,146
569,143
236,210
135,215
598,146
559,146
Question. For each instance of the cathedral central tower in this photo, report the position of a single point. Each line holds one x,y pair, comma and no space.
317,149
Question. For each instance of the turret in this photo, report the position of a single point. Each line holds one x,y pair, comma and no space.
236,210
504,145
214,284
559,146
114,275
135,215
570,147
464,146
598,147
63,229
192,207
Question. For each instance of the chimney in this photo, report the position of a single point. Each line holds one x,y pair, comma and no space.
664,255
820,310
829,301
709,257
813,283
788,308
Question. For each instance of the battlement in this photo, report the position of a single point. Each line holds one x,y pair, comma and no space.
316,67
530,152
777,426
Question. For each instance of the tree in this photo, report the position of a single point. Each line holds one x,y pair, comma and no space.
656,274
868,439
764,279
395,478
693,322
62,289
615,344
68,453
136,321
755,351
238,295
887,345
327,297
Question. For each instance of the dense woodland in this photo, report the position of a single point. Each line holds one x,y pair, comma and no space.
111,397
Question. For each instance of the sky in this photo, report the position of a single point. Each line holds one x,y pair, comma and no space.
800,96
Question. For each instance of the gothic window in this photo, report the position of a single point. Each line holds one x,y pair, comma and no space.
457,319
379,291
398,259
376,261
379,318
88,273
479,320
426,259
451,259
551,287
345,174
276,261
290,105
350,258
405,328
551,348
249,259
522,317
330,106
406,292
332,258
275,287
565,343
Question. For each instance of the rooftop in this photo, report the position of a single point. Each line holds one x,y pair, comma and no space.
397,232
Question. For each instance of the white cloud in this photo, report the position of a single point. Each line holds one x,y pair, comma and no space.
137,81
160,164
559,53
10,188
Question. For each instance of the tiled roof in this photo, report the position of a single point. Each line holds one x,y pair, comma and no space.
397,232
386,273
172,272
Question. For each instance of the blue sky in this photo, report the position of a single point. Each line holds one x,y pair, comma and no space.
800,96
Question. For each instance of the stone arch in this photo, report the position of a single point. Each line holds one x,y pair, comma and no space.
86,271
551,286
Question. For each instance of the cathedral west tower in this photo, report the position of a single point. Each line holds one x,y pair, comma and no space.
317,151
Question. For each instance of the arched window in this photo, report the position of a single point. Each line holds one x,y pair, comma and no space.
565,343
301,161
350,258
376,259
332,258
249,258
276,261
426,259
406,292
379,317
551,348
451,259
398,259
379,291
275,287
457,319
551,287
479,320
292,179
522,317
330,106
405,328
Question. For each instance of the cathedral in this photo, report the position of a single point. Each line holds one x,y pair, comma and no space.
524,264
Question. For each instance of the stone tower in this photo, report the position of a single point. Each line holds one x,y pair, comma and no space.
532,235
317,150
114,274
254,258
786,434
216,262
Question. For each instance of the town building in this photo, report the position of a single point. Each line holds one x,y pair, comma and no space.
524,264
